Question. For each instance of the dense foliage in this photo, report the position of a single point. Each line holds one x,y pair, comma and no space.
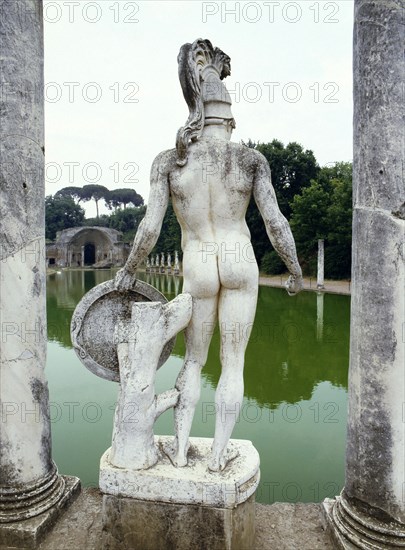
113,199
318,204
316,200
324,211
61,213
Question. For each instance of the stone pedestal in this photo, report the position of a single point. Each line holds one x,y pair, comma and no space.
181,508
129,523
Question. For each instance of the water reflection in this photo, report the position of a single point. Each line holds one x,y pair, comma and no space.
295,343
64,291
319,315
169,285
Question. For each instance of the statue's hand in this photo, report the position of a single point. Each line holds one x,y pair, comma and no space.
294,284
124,280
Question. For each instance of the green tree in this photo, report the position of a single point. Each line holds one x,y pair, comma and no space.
73,192
324,211
102,221
94,192
61,212
125,196
170,235
272,264
339,220
127,221
309,222
292,169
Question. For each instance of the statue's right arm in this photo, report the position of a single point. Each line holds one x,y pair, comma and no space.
149,228
277,227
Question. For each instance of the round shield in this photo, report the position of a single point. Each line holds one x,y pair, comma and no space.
94,320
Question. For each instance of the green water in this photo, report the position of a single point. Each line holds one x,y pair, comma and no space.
294,409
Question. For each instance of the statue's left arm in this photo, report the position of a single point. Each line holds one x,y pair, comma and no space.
277,227
149,228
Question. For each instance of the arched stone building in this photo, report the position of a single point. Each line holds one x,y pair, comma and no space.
86,247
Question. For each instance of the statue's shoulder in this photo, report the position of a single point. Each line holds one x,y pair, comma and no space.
166,160
249,156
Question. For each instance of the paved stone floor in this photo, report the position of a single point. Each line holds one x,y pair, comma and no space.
278,527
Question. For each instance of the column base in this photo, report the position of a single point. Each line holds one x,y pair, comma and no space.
26,532
351,529
181,508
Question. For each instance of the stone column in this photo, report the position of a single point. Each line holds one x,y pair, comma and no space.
176,263
82,259
29,481
371,510
321,264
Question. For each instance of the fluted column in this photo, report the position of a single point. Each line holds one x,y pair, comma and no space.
371,510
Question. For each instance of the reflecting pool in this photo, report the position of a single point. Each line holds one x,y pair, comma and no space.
294,410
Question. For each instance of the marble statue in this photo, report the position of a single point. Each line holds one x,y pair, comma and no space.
176,263
211,180
162,263
169,263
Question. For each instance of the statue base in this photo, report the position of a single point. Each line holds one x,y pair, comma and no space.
182,508
27,533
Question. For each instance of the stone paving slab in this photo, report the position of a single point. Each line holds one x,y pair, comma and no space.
279,526
284,526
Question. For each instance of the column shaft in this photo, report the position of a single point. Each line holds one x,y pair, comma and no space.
376,431
371,510
29,482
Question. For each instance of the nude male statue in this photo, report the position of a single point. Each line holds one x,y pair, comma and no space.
210,181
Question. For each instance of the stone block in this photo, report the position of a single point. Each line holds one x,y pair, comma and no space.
129,523
28,533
